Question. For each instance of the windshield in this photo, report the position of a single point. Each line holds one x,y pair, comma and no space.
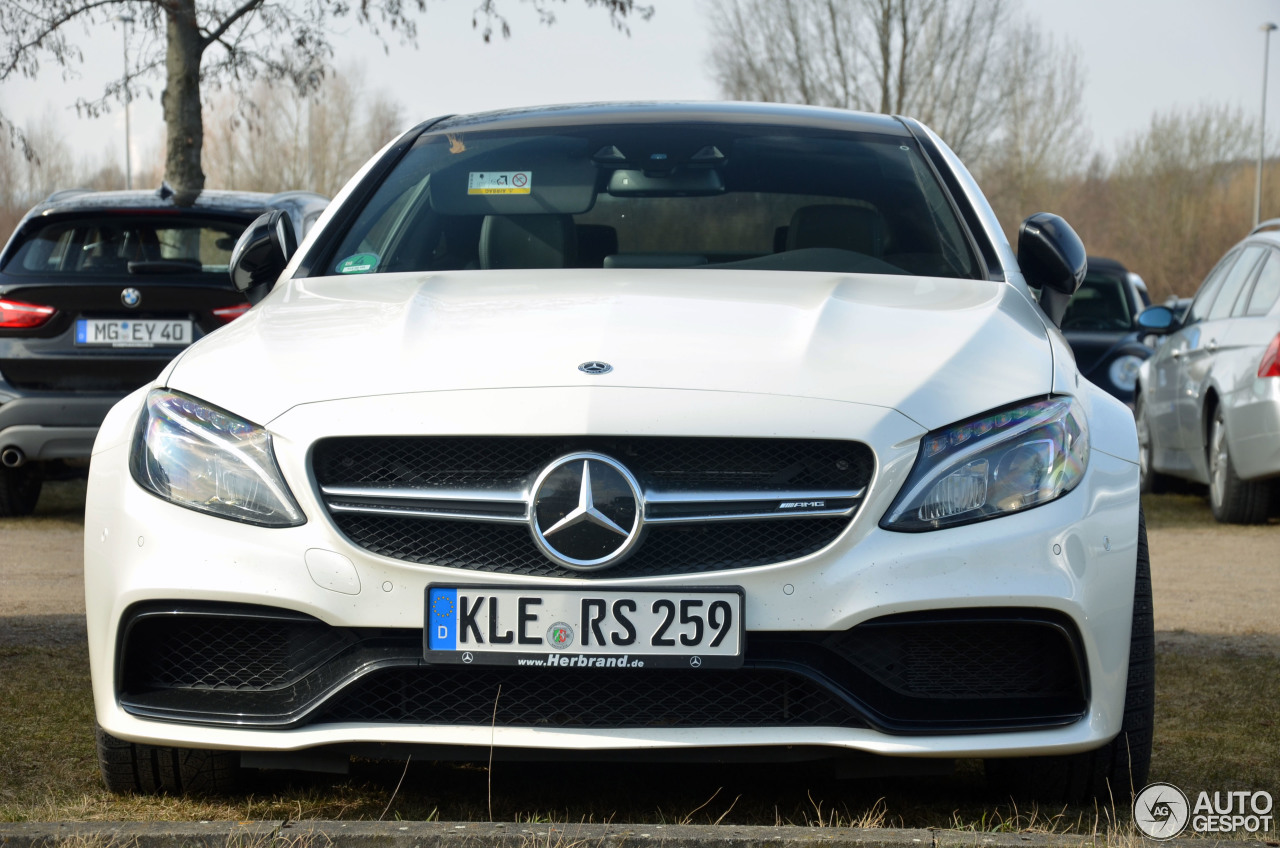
659,196
1099,304
122,245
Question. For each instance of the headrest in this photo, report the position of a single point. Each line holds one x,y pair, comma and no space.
527,241
595,242
832,225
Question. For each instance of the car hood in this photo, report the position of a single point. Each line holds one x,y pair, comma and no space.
935,350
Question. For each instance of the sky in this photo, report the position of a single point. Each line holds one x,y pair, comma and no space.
1140,57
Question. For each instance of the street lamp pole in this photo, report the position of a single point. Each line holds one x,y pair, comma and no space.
1267,29
125,20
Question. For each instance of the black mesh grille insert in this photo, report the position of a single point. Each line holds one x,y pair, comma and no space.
240,653
964,659
950,671
606,698
508,548
667,463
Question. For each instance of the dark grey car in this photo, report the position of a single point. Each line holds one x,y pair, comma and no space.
1100,325
98,291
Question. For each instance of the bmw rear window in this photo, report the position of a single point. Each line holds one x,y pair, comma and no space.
118,246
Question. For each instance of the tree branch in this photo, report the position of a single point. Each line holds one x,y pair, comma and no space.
216,34
52,27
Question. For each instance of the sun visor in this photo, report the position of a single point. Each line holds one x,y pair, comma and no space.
517,177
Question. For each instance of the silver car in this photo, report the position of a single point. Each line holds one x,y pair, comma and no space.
1208,401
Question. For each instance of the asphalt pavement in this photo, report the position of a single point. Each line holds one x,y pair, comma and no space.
486,835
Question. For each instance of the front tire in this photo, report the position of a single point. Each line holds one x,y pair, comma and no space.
129,767
1115,771
20,490
1233,500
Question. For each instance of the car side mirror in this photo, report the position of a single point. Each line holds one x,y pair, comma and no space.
1157,319
1052,259
261,254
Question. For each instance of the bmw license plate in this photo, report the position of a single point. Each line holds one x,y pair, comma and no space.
113,332
575,628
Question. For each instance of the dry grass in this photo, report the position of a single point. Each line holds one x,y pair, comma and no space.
1218,728
1183,510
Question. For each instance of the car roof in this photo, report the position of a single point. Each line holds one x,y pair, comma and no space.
583,114
1105,265
210,200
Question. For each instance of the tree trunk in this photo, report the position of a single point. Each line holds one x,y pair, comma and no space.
184,125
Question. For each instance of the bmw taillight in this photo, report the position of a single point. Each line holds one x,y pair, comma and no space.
227,314
1270,364
15,315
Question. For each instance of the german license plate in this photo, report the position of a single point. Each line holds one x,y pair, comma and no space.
113,332
576,628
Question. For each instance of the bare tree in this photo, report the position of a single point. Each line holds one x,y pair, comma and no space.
25,182
210,43
966,68
1180,194
306,142
1042,139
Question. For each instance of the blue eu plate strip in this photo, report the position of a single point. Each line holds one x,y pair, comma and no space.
442,619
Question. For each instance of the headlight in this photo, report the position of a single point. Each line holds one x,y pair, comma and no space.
205,459
1124,372
1001,463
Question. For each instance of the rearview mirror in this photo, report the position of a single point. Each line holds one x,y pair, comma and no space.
1052,259
681,182
261,254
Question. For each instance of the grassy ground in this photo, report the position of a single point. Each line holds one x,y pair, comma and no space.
1218,728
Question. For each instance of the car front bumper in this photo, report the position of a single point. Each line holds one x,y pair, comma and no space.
1072,559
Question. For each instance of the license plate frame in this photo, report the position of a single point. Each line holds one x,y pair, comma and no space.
134,332
691,645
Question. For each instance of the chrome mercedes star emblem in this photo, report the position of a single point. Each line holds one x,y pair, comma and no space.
587,512
131,297
595,367
586,509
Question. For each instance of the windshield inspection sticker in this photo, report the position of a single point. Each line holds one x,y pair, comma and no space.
500,182
361,263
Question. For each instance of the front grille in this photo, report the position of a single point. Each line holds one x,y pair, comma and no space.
672,462
947,672
668,464
608,698
508,549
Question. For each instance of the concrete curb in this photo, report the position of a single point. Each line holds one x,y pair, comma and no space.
303,834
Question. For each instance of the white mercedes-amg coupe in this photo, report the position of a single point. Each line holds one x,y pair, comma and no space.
692,430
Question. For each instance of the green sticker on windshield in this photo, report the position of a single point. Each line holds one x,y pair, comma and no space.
361,263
